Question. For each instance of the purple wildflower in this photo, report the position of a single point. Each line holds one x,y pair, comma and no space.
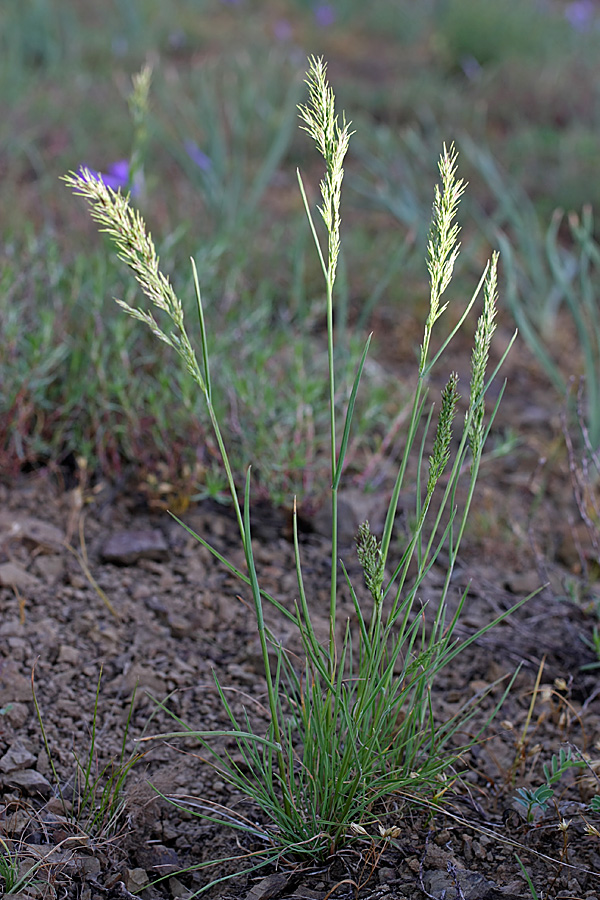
116,177
324,15
470,67
580,14
282,30
197,155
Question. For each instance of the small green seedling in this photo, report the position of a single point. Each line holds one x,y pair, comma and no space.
536,801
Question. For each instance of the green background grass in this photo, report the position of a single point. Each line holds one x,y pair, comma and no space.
515,82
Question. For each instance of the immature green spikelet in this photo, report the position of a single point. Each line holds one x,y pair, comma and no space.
368,549
321,123
441,448
126,227
486,326
442,246
139,97
139,104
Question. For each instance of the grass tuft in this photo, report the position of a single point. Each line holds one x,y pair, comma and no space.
353,722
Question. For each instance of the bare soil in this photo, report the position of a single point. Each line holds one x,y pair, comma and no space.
95,582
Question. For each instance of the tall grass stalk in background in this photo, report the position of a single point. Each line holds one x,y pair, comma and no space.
547,275
354,722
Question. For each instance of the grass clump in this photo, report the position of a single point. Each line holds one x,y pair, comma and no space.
94,801
551,278
14,875
482,32
352,721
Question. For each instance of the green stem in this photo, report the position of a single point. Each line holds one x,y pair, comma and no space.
227,466
244,526
393,505
334,490
263,644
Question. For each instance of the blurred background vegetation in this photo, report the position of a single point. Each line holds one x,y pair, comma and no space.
516,85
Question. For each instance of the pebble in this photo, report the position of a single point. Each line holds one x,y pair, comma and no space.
179,626
15,576
387,875
68,654
441,885
30,781
16,714
177,888
42,535
17,757
13,685
136,879
124,548
51,569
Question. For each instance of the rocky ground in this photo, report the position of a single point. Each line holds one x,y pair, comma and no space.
102,595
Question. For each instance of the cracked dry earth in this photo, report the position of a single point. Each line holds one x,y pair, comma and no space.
105,584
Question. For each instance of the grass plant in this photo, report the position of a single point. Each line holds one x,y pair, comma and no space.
231,154
527,876
15,876
548,275
64,105
53,414
94,801
9,868
479,34
355,722
551,274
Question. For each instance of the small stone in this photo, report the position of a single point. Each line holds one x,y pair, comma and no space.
177,888
269,887
16,714
15,576
179,626
88,865
478,850
141,591
160,858
136,880
523,583
30,781
16,822
13,685
387,875
169,832
124,548
42,535
471,885
438,857
50,568
67,654
56,806
17,757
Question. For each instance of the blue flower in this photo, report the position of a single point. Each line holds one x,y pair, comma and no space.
324,15
580,14
117,176
282,30
198,156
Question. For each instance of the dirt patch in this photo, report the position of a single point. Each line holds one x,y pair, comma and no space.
97,584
